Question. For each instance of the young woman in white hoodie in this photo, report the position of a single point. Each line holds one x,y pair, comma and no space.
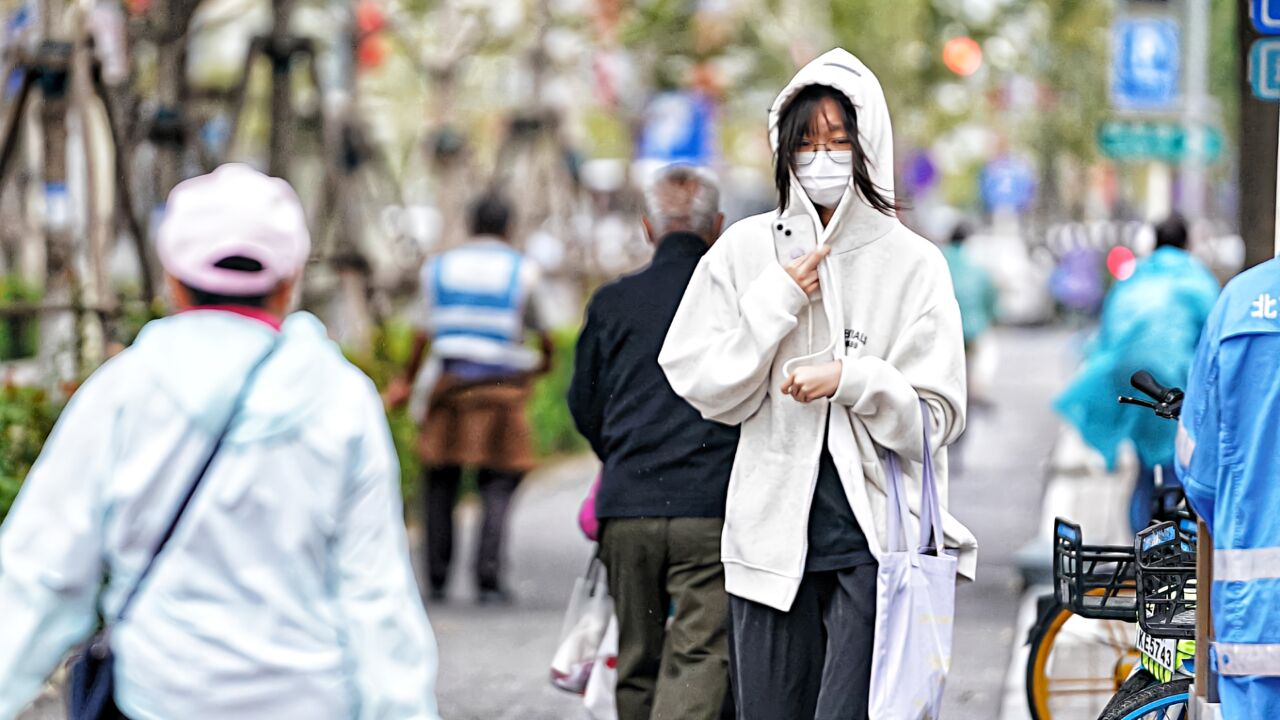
819,328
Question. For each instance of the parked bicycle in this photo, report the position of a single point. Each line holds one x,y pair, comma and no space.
1079,654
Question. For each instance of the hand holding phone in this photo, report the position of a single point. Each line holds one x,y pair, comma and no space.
804,269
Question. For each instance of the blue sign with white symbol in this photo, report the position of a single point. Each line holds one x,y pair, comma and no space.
1264,69
1008,184
1145,64
1265,15
678,129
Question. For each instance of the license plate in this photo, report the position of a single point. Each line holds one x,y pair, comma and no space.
1163,653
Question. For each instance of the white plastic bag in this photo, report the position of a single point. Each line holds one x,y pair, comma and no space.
601,698
585,622
915,605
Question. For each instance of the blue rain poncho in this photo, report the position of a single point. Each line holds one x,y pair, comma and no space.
1151,322
975,292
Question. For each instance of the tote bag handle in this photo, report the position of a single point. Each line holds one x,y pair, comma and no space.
899,515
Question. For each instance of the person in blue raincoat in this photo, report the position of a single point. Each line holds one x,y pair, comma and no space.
1152,322
978,299
1228,458
975,291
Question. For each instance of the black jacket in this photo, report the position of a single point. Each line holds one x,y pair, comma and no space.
661,459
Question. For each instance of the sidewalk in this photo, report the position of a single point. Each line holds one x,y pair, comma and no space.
494,660
997,494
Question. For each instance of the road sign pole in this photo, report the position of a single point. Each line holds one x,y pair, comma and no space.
1196,31
1260,59
1277,220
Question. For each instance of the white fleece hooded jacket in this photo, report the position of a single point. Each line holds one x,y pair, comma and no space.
886,300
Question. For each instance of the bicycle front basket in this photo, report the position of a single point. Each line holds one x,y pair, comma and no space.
1094,581
1166,578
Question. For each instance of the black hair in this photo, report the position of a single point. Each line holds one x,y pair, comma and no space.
204,298
960,233
797,119
1172,232
491,214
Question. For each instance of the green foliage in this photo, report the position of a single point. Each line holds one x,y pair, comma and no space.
19,336
551,424
392,344
27,416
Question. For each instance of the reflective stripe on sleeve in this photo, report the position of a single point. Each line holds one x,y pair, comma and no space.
1185,445
1246,565
1236,659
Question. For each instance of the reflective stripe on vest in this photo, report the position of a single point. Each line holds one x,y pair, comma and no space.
1237,659
1246,565
460,311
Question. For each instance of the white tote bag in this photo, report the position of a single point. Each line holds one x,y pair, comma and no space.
915,605
601,698
585,622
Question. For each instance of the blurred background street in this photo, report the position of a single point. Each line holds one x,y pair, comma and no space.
1041,142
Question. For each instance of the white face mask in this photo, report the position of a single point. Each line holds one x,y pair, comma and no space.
827,177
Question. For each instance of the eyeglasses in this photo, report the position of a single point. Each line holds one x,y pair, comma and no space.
838,151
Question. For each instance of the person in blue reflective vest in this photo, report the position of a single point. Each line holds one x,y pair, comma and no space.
1151,322
477,304
1228,458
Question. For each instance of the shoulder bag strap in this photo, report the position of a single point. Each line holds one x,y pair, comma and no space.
195,484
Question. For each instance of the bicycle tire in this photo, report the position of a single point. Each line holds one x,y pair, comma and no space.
1042,638
1137,682
1046,629
1159,697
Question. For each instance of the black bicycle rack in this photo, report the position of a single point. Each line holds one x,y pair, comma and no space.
1094,581
1166,577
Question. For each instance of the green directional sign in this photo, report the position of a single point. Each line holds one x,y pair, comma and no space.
1167,141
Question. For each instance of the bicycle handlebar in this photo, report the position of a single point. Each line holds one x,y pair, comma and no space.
1143,381
1168,401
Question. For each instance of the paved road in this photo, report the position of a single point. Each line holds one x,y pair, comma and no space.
494,660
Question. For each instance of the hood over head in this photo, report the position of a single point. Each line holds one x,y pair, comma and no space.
841,70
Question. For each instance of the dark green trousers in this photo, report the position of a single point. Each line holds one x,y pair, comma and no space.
660,567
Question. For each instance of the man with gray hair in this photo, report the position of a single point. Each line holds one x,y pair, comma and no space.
666,470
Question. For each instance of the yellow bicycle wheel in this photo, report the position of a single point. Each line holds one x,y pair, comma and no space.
1076,664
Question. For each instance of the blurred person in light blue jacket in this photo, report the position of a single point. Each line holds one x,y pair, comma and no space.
1151,321
975,292
978,299
286,591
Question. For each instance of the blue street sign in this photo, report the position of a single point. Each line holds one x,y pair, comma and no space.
678,129
1265,15
1145,64
1264,69
1008,184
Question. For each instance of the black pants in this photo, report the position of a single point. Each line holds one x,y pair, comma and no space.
813,662
440,495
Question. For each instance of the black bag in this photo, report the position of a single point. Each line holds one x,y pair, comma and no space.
91,694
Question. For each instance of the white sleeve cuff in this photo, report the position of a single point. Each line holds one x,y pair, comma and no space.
853,382
774,290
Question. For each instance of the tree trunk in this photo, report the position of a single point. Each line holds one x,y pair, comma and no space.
169,82
59,339
1258,147
279,149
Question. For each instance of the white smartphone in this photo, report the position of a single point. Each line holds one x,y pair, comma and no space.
793,237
